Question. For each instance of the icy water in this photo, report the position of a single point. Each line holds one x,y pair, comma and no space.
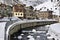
37,33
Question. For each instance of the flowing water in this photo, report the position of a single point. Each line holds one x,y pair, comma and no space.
36,33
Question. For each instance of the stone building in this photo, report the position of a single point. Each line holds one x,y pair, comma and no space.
56,17
30,14
44,14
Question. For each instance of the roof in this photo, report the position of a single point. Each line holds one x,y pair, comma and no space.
46,4
55,27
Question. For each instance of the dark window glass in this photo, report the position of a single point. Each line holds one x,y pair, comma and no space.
51,8
53,38
47,9
44,7
21,14
40,8
16,13
55,8
51,0
57,0
57,39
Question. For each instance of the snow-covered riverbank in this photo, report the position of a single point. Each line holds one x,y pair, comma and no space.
54,31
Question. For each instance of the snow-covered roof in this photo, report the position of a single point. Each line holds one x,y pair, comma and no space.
55,27
46,4
50,6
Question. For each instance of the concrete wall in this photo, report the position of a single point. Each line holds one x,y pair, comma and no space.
25,25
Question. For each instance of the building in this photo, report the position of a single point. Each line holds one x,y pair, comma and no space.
56,17
18,10
30,14
22,11
44,14
52,5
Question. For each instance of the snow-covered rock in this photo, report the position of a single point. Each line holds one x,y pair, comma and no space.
19,37
30,37
22,34
33,30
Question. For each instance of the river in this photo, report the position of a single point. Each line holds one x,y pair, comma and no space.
35,33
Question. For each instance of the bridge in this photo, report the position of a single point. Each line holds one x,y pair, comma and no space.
18,25
26,23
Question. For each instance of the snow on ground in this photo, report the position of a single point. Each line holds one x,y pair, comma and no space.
55,27
54,31
2,30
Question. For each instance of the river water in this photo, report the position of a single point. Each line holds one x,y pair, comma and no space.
35,33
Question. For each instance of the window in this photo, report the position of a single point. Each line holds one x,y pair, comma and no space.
44,7
17,0
21,14
56,35
51,8
25,0
51,0
47,9
57,39
55,8
16,13
40,8
59,16
57,0
53,38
